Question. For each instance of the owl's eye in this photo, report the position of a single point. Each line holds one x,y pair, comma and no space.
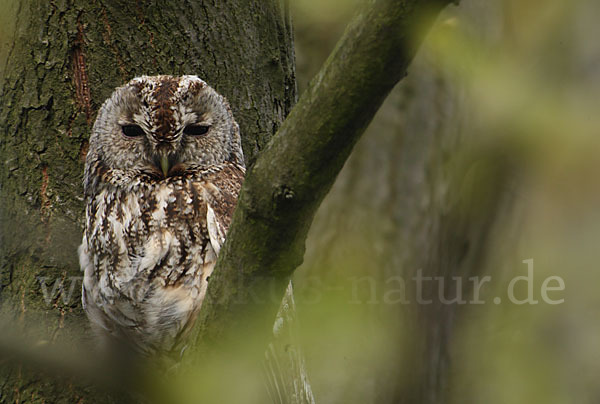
196,130
132,131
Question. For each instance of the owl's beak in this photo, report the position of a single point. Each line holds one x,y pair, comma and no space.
164,163
167,162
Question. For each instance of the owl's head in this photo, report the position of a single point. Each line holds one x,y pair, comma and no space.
163,125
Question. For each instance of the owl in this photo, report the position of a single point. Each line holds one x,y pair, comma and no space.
162,177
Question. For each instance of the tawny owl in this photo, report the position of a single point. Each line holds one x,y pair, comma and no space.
161,180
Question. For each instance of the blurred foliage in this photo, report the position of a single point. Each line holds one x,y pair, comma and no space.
516,82
318,25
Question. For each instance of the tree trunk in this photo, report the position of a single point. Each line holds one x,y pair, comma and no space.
57,67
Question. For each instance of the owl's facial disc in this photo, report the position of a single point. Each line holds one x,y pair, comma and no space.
163,126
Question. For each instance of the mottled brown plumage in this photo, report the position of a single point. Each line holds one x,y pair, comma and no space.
162,178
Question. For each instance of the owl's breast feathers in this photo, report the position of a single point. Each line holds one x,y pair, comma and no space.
149,247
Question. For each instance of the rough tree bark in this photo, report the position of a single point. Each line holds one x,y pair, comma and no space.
63,59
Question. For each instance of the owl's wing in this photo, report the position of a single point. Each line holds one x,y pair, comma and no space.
220,193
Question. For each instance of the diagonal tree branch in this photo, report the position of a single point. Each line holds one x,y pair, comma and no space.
290,178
